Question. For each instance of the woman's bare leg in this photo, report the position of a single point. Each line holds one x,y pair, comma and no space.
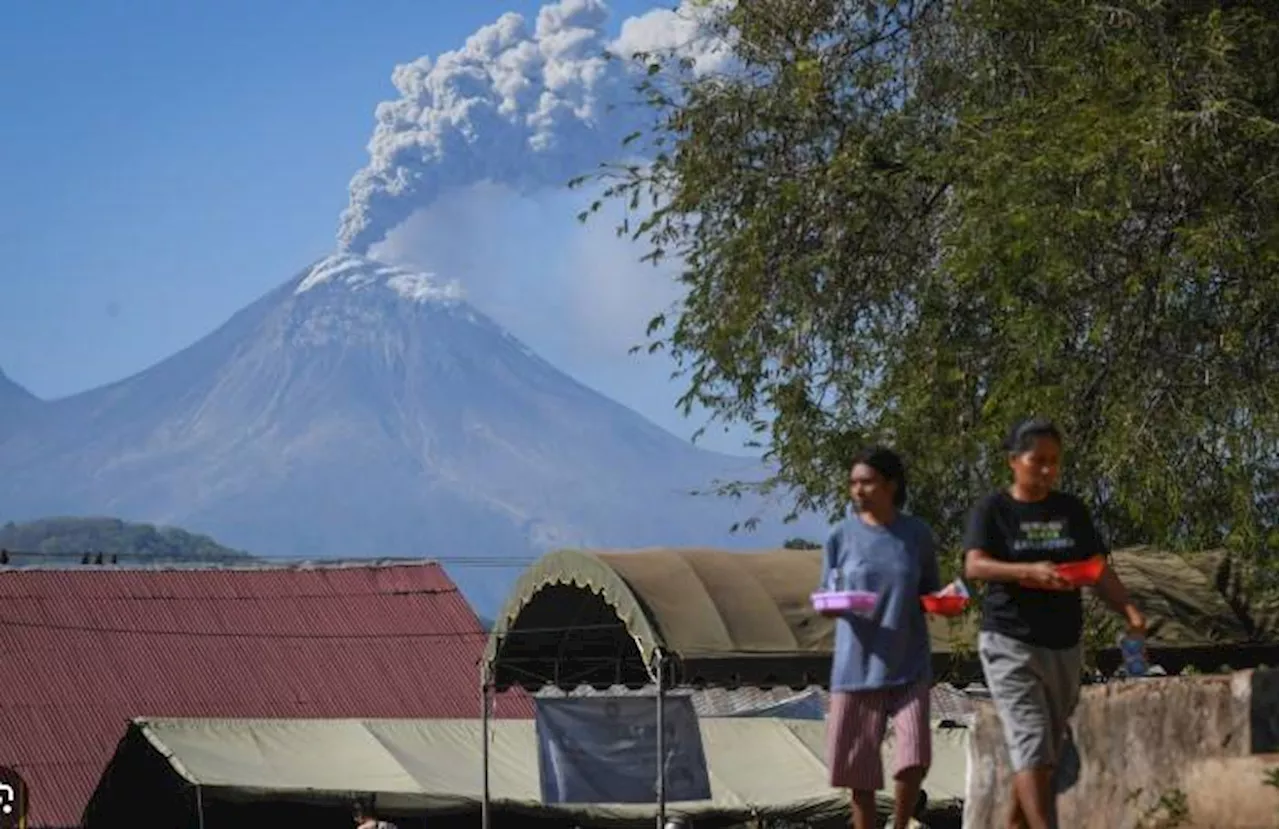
864,810
906,791
1034,788
1014,819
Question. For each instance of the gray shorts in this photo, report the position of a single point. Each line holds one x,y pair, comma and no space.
1035,691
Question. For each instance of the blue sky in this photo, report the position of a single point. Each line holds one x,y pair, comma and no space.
165,164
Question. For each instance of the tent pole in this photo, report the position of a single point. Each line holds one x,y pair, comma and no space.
484,736
661,741
199,808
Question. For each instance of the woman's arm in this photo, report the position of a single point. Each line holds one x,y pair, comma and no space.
981,534
1113,592
930,576
1109,587
981,566
830,559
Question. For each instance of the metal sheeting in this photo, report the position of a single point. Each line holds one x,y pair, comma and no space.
89,648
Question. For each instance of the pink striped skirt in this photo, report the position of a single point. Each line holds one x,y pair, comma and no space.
856,726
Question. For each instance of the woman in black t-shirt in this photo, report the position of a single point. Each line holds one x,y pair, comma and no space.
1031,617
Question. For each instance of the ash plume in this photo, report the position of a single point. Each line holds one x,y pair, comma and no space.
528,107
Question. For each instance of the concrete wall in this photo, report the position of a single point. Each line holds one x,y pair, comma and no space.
1149,754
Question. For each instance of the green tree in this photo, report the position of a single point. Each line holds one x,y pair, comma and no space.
916,222
111,536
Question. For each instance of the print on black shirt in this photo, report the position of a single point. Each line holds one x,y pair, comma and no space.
1057,529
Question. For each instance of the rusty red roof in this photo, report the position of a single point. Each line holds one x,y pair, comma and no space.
83,650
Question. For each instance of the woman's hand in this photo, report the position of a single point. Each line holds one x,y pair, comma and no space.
1044,576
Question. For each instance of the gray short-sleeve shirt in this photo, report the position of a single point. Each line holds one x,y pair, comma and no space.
899,562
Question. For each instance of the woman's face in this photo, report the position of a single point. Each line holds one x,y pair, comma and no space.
870,491
1036,469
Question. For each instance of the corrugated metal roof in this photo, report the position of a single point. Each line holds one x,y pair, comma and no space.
83,650
946,702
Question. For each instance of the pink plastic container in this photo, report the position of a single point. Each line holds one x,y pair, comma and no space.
842,602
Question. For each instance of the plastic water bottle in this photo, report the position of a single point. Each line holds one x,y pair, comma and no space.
836,580
1133,654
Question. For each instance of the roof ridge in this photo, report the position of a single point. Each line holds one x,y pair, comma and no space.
273,564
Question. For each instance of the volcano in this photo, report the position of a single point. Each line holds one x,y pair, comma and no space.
17,405
362,410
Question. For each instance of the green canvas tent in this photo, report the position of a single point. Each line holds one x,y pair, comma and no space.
165,770
729,619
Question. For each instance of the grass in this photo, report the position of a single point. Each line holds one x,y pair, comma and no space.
1168,812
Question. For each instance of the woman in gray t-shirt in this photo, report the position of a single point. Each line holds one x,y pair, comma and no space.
880,671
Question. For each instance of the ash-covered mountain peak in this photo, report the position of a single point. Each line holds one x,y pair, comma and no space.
361,274
363,409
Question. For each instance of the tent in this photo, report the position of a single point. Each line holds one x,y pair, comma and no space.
1233,576
714,618
722,619
165,771
1191,612
728,619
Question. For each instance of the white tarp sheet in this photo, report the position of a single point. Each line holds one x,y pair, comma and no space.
771,767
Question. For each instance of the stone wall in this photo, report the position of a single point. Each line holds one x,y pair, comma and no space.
1150,754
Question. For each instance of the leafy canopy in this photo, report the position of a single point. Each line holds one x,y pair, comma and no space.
915,222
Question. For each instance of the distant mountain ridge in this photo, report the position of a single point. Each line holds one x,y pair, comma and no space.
16,405
11,393
366,410
62,537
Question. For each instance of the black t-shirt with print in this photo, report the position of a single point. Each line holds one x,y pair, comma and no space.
1057,529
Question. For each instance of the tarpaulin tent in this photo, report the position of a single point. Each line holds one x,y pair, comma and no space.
759,767
1191,614
705,617
722,618
1184,606
1232,574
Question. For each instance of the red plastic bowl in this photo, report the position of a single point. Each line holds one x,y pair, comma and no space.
1081,573
944,605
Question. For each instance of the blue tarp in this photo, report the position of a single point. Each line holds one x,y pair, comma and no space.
604,750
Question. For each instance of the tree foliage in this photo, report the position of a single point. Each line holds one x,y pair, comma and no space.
915,222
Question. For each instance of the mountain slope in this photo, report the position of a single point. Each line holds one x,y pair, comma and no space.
16,405
362,409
